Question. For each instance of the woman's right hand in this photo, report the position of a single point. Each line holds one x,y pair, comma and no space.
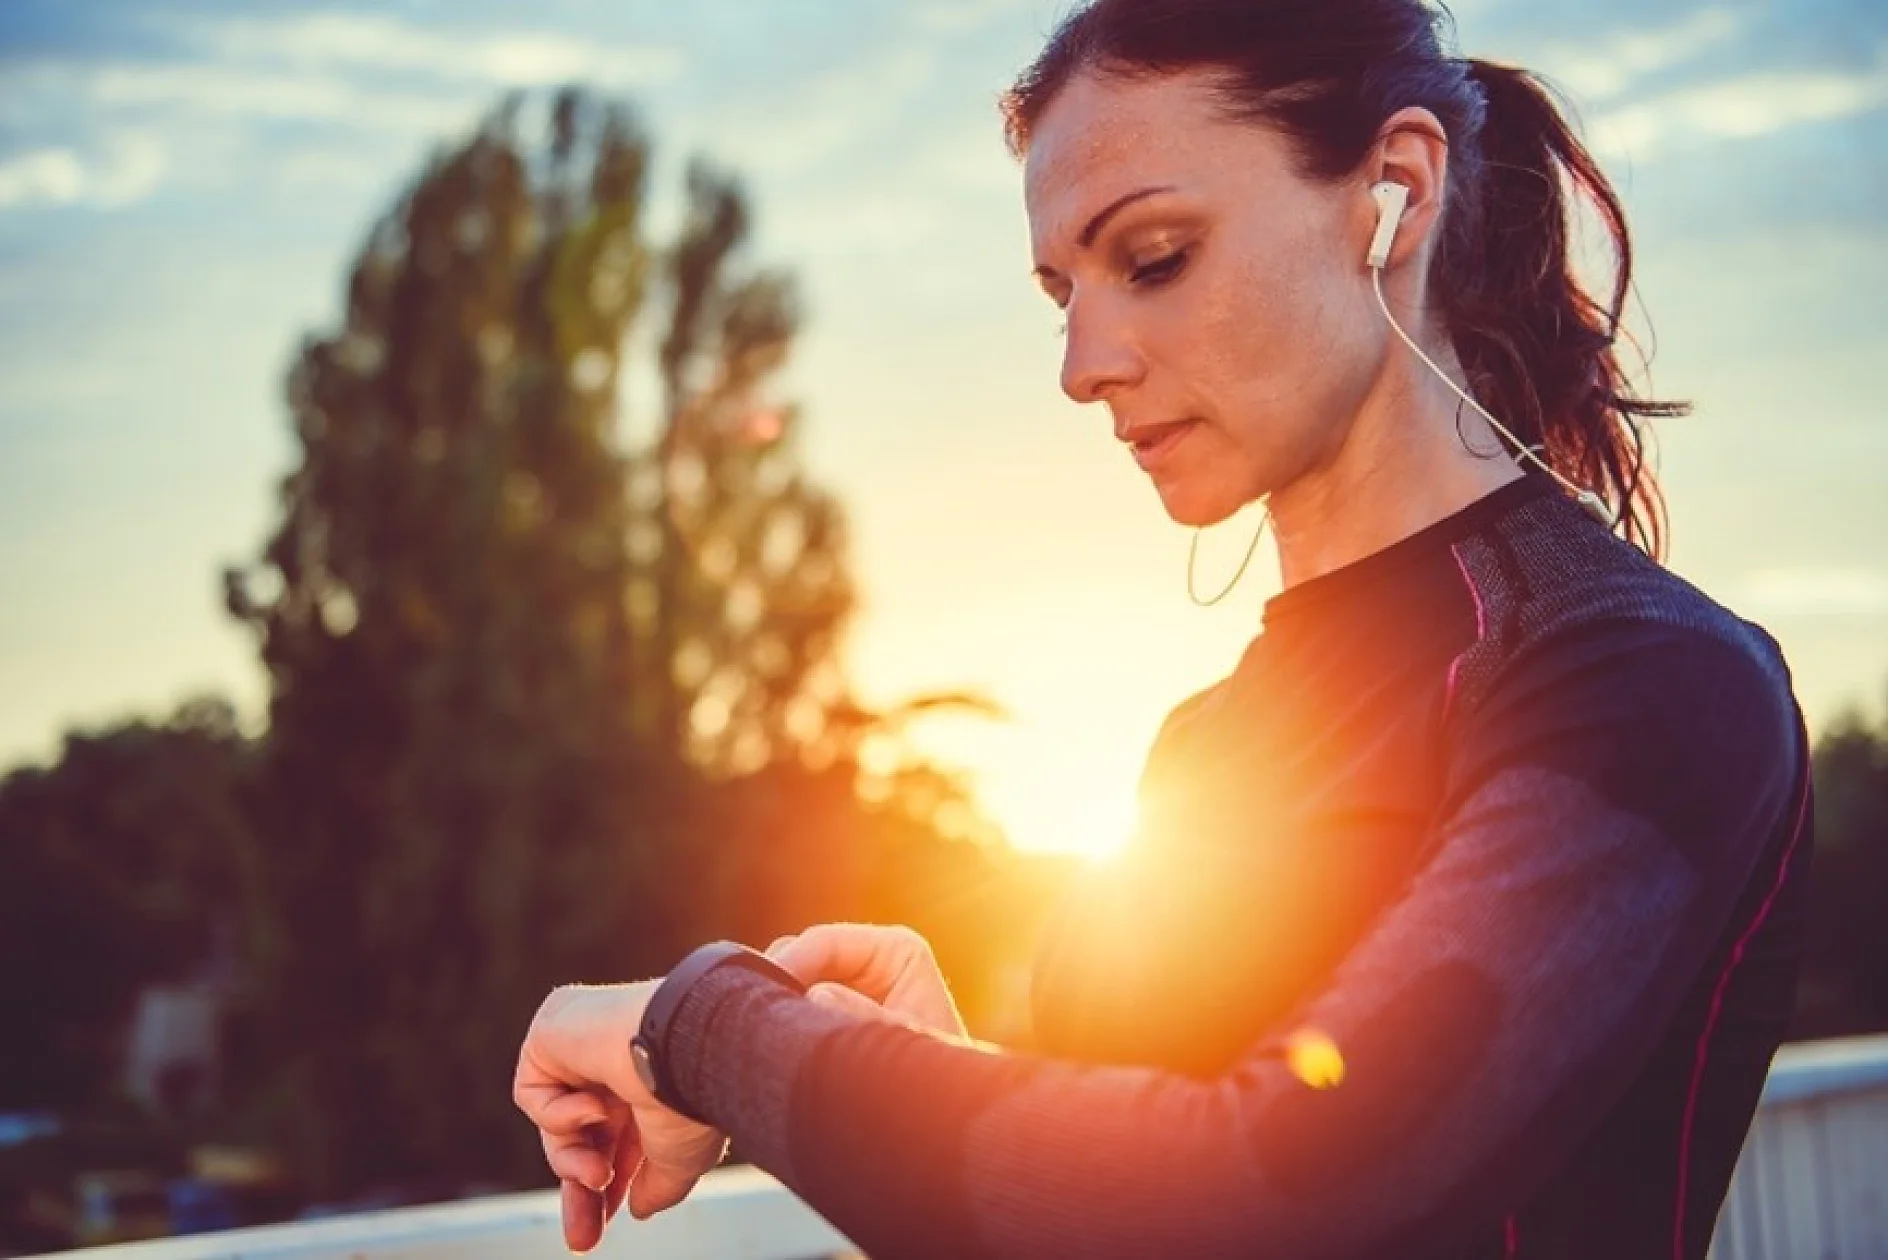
874,972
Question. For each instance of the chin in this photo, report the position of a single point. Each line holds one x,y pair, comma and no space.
1197,505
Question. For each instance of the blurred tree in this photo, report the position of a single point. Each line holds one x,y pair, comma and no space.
739,590
128,863
524,686
455,803
1844,987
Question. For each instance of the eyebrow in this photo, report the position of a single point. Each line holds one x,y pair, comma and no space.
1093,227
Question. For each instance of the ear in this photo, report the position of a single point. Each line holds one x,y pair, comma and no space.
1412,150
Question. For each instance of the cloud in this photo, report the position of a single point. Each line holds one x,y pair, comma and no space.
127,170
1665,76
372,42
769,129
328,168
1607,68
1817,592
240,92
1742,107
213,98
109,134
54,175
958,17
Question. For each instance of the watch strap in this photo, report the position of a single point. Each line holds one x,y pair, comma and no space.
652,1035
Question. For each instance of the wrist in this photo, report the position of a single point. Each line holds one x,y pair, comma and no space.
653,1047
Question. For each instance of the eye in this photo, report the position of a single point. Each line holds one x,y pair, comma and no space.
1160,270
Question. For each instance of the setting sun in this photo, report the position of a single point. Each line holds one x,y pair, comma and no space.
1087,671
1059,812
1057,783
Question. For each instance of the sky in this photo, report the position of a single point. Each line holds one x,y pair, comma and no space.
183,184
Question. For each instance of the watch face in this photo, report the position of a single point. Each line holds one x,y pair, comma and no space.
645,1066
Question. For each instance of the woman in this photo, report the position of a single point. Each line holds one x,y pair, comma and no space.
1465,915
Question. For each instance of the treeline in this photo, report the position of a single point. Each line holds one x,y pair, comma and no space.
1844,985
552,623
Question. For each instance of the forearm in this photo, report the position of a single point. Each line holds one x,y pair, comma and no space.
915,1146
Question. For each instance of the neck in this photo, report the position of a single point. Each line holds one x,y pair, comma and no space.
1402,466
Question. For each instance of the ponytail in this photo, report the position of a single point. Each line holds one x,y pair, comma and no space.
1539,349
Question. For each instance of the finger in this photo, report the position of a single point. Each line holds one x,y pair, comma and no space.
583,1217
780,943
586,1157
534,1083
657,1187
575,1041
857,955
533,1089
838,997
573,1111
627,1156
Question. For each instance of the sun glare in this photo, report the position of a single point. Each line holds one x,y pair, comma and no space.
1063,784
1047,812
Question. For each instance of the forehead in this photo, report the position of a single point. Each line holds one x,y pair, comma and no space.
1104,135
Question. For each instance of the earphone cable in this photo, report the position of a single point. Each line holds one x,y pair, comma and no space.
1586,498
1193,555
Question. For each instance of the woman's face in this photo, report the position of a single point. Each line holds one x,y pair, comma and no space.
1216,300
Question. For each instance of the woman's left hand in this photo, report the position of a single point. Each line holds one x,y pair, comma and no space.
605,1136
884,973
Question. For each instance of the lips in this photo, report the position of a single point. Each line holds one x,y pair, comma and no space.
1153,443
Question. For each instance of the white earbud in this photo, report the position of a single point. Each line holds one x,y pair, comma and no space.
1391,198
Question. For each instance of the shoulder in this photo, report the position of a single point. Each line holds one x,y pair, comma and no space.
1562,600
1600,668
1183,713
1168,751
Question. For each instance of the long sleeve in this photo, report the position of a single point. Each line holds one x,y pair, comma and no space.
1615,795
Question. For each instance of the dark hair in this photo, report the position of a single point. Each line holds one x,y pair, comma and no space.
1539,350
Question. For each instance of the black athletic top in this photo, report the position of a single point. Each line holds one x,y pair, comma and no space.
1515,818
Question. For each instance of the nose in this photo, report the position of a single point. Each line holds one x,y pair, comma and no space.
1099,357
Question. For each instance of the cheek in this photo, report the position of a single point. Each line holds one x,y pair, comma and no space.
1257,344
1285,336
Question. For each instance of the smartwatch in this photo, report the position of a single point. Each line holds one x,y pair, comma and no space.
648,1048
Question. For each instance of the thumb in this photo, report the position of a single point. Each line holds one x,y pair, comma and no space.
657,1188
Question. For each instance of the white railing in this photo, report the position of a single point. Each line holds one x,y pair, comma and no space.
1813,1182
734,1214
1813,1179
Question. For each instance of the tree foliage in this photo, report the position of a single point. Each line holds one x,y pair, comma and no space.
441,615
547,703
1844,987
127,863
738,583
